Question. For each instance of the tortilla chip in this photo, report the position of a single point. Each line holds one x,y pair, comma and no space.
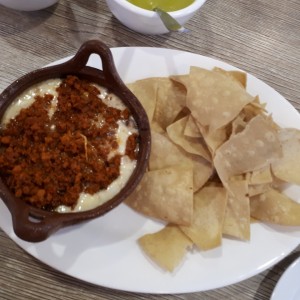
145,90
191,145
202,170
182,79
254,148
237,215
191,129
238,125
214,139
165,153
165,194
253,109
214,99
275,207
157,128
209,210
171,99
256,189
261,176
287,168
166,247
239,76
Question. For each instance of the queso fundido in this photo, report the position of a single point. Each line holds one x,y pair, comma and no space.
67,145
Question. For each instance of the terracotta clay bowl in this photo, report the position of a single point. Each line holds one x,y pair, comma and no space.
34,224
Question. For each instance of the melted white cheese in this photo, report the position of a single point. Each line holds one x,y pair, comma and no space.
25,99
88,201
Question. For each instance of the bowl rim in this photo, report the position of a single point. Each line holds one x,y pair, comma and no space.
148,13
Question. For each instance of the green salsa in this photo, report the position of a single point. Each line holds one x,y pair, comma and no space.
166,5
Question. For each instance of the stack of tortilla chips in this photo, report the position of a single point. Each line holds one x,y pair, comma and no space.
217,160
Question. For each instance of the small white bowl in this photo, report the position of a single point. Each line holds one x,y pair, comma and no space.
146,21
27,5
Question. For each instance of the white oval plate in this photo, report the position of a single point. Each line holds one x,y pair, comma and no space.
288,285
105,252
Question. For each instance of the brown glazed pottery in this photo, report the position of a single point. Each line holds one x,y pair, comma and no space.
33,224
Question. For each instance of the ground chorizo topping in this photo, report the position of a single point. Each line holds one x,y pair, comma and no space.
66,143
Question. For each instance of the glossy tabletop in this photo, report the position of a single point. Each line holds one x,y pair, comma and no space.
260,37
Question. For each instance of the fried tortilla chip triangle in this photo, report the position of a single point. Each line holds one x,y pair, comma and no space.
171,99
165,194
215,99
237,216
166,247
166,154
287,168
275,207
146,91
209,210
193,145
254,148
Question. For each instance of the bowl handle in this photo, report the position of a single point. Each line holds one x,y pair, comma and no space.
80,60
33,227
32,224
